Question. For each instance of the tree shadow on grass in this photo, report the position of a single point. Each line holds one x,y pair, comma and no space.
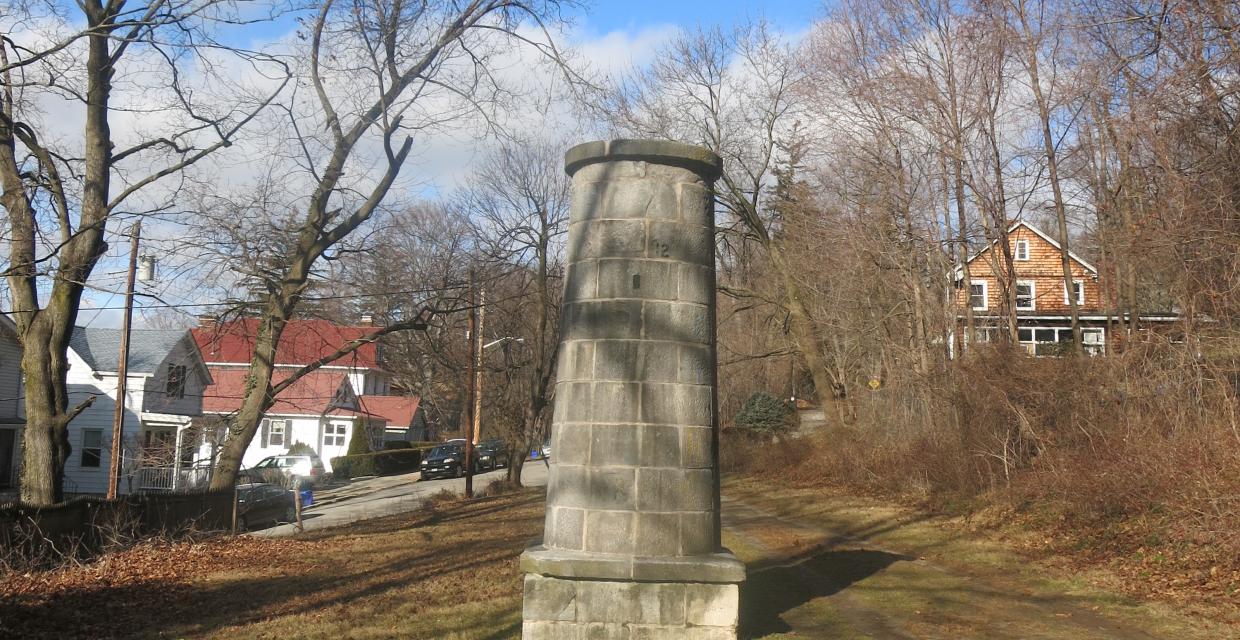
387,573
773,590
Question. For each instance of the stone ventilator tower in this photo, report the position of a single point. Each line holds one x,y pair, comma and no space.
631,547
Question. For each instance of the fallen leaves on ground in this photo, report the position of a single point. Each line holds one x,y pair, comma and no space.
409,575
160,571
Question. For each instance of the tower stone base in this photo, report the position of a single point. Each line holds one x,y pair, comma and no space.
684,599
573,609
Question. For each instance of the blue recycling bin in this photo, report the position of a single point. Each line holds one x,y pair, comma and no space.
307,497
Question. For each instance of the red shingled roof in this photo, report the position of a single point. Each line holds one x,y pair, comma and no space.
397,410
303,342
310,395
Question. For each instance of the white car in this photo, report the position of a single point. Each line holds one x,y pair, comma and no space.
283,468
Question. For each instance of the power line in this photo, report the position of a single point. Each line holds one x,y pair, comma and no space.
237,303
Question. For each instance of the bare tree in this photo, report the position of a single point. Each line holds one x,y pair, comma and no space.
1037,35
518,202
61,192
734,92
379,72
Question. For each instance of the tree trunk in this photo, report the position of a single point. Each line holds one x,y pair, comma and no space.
516,464
804,333
255,405
46,436
1052,167
44,332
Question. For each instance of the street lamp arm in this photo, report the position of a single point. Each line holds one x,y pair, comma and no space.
501,340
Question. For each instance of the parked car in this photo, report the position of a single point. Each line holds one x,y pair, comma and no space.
285,469
263,503
444,461
541,453
492,454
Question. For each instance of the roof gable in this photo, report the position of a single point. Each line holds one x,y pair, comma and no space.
959,271
314,394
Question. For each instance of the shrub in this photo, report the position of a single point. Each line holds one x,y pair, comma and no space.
394,445
301,449
765,414
359,443
381,463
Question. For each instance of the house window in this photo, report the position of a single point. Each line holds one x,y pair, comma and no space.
276,430
1021,250
92,447
175,387
977,295
1078,288
335,434
1024,295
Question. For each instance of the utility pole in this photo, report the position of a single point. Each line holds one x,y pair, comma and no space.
122,372
467,424
482,316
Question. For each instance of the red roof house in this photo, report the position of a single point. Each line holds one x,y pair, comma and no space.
321,409
303,342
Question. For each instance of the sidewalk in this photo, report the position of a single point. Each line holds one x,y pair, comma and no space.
368,498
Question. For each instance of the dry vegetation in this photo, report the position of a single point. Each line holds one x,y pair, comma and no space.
1129,462
448,571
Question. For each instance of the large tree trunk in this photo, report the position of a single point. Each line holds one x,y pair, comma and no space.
805,335
246,423
46,436
44,332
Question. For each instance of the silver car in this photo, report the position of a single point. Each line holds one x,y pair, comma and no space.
286,470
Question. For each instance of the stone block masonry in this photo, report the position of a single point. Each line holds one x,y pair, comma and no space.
569,609
631,544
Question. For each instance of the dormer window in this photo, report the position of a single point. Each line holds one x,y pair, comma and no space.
175,386
1021,250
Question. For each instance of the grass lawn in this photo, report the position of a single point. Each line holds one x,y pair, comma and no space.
827,565
447,572
821,565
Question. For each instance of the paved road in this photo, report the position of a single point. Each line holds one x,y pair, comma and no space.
388,495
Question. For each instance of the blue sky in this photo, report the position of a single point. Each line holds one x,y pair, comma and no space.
603,16
613,29
600,17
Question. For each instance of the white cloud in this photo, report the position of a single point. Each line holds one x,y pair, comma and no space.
442,159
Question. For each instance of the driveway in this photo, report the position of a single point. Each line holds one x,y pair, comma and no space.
388,495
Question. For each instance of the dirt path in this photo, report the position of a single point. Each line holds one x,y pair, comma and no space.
833,567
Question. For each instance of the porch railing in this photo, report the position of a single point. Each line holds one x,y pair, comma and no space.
169,478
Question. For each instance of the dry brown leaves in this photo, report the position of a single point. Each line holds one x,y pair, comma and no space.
156,573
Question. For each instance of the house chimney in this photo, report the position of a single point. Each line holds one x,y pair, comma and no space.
367,320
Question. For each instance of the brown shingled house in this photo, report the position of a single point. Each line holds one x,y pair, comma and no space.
1042,301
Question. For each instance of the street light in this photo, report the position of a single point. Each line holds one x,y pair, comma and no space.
502,340
477,391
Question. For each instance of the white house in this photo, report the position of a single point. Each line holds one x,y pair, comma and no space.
11,420
322,409
166,378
